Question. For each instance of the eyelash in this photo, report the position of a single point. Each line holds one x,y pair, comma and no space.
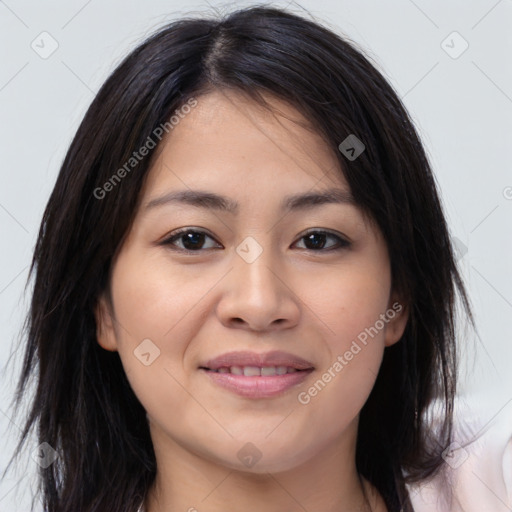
169,241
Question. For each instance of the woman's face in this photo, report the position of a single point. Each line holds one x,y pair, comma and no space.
256,272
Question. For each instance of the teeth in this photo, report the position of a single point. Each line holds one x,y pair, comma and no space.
252,371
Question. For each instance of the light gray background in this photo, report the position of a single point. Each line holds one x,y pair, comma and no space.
461,106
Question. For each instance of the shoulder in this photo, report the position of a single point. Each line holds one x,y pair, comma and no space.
477,474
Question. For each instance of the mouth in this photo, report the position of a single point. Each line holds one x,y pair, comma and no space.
254,363
256,371
253,375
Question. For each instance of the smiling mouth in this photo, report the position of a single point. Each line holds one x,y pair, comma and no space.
257,382
255,371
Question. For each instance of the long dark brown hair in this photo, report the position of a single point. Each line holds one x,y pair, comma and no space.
84,406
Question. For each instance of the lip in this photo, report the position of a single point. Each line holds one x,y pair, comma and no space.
257,386
246,358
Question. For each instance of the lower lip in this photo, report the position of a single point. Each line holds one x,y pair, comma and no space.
258,386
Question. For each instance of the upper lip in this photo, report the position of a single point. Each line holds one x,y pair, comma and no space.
246,358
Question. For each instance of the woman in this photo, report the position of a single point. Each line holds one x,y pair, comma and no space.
244,286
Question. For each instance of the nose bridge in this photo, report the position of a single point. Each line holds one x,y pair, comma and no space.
256,293
256,265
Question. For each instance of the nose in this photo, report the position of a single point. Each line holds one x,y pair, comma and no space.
258,295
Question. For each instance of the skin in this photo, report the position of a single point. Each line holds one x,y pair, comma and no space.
294,297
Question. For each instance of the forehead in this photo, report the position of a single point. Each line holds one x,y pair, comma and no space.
228,139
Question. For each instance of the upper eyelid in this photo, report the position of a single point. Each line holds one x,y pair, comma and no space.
181,231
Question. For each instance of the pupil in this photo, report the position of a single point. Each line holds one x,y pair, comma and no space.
193,237
316,245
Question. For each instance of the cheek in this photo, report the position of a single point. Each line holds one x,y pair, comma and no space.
343,383
167,304
351,309
350,302
154,300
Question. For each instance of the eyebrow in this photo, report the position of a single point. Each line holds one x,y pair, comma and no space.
210,200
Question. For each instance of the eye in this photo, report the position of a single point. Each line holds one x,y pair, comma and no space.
316,241
191,239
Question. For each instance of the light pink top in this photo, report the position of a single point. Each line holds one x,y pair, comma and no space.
477,475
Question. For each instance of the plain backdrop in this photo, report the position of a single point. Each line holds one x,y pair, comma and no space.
448,61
